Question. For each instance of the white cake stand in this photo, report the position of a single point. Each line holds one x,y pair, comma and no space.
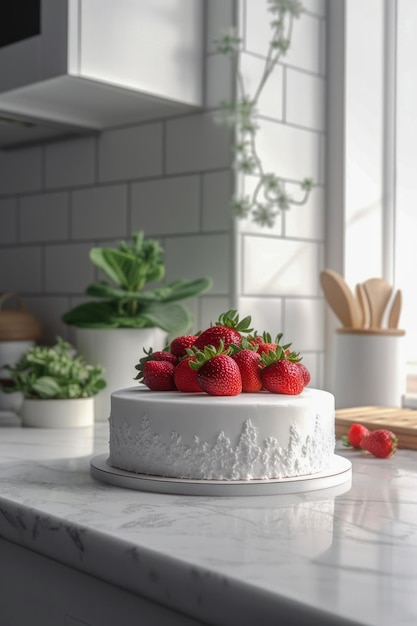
339,473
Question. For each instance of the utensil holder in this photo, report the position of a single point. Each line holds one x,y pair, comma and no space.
369,367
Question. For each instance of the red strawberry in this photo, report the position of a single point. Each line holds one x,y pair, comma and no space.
227,329
185,377
217,373
265,343
283,376
280,373
159,375
355,435
381,443
305,372
248,362
162,355
180,345
267,347
255,340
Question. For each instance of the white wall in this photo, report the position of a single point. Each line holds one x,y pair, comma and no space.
173,179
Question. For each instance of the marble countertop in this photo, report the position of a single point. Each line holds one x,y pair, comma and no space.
343,555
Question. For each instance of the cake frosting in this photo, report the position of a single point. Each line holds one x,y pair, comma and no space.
244,437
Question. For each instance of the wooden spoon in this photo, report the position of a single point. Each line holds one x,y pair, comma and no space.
363,305
340,298
394,314
378,292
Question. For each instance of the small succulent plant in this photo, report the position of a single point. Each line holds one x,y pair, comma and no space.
55,372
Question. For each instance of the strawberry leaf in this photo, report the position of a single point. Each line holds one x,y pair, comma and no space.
231,320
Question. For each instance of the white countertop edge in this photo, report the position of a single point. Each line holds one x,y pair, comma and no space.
194,591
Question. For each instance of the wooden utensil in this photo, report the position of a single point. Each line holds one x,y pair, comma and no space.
395,311
378,292
363,305
340,298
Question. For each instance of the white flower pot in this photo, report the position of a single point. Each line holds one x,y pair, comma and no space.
118,350
73,413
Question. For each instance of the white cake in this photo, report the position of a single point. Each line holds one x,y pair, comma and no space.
196,436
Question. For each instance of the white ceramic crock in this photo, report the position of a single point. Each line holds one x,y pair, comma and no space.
74,413
369,368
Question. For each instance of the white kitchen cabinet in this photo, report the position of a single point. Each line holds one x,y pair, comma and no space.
101,63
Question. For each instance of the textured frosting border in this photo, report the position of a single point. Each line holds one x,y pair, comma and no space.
252,458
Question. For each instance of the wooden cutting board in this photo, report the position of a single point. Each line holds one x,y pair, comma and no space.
402,422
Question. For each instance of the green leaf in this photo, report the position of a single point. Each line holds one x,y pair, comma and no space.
133,264
171,317
138,321
175,319
114,263
104,290
46,387
92,314
184,289
178,290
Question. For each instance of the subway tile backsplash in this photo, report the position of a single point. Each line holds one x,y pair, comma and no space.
216,193
70,163
67,268
37,211
21,269
130,153
272,98
308,111
21,171
8,221
99,212
173,178
177,199
200,255
299,151
196,143
306,221
296,274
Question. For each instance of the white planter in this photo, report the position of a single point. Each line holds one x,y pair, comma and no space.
118,350
72,413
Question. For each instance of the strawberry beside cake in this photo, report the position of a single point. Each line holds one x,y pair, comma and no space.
224,404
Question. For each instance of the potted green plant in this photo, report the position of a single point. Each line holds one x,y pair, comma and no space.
57,385
126,314
126,303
